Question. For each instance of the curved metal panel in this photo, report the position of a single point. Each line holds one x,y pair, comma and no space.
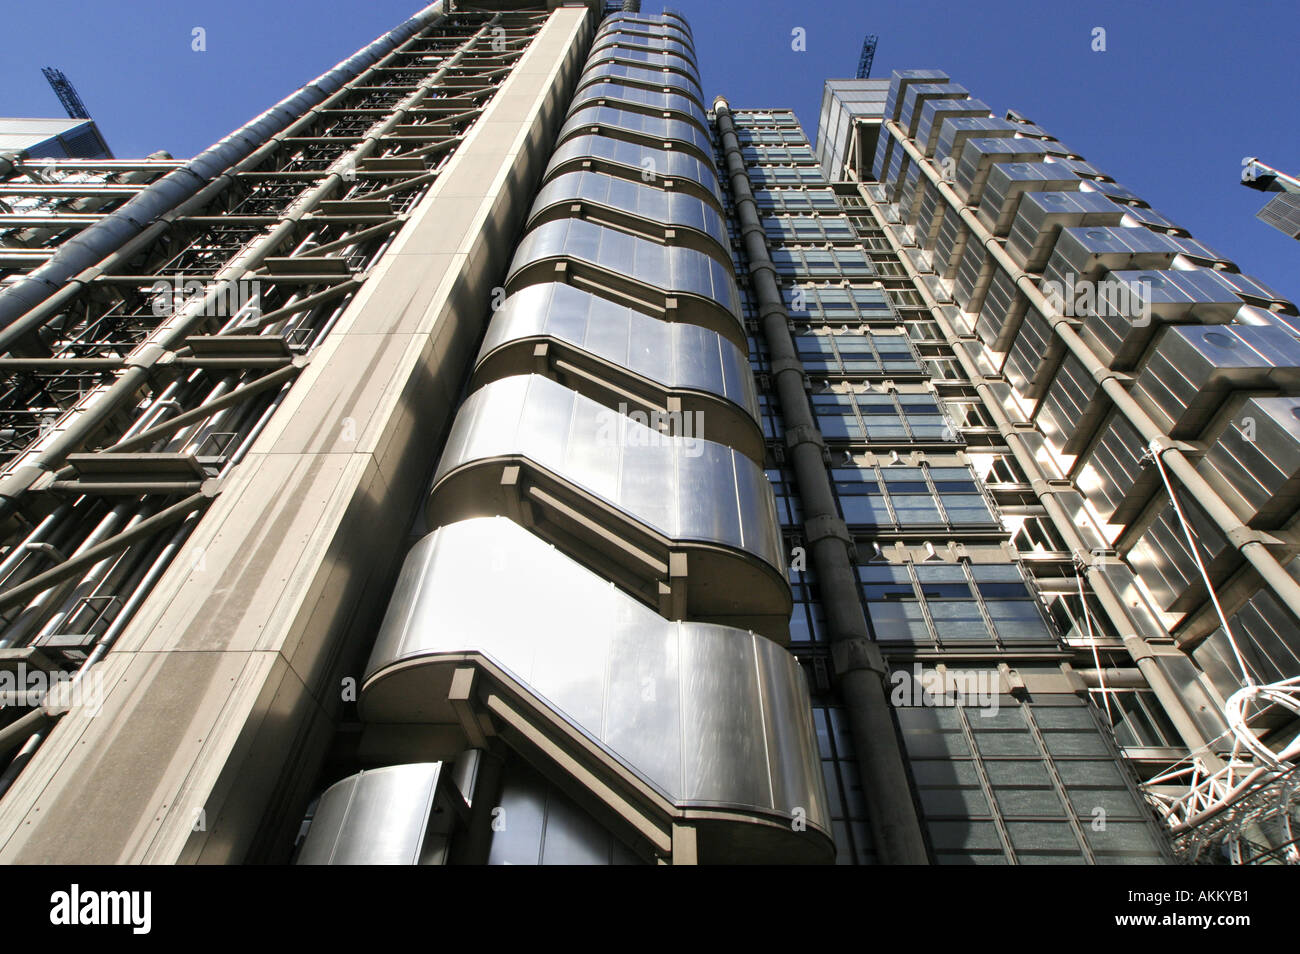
676,15
655,79
622,96
377,817
636,42
637,159
657,29
712,717
705,287
684,488
666,17
664,209
652,130
678,356
622,353
665,61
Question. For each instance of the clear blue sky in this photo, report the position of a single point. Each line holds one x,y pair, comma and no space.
1182,93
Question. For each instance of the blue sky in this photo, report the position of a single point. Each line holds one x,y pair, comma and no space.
1183,91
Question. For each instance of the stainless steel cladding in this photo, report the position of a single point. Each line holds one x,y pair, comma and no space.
636,161
1255,462
397,815
1165,563
637,206
1008,182
1069,411
979,157
1001,312
1086,253
1114,476
638,127
1042,215
649,59
955,132
715,719
917,98
1192,369
687,492
654,102
617,42
641,76
1130,306
886,156
703,287
616,355
924,101
1266,637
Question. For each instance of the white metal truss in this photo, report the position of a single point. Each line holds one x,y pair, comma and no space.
1247,809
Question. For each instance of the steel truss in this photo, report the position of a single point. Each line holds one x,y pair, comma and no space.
129,392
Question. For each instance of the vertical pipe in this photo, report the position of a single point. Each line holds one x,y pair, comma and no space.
859,666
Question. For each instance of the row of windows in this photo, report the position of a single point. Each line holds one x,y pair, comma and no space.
770,136
911,497
1037,783
867,352
796,263
844,793
748,117
832,305
805,229
786,176
935,605
795,200
776,154
882,418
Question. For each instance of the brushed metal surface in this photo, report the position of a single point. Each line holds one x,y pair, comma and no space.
707,714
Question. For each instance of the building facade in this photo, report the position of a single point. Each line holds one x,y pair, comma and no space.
499,452
52,138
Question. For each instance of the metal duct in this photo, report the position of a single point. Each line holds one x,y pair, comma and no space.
94,243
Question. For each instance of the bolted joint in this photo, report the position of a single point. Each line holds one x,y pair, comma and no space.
804,434
819,528
780,365
147,356
1241,536
17,483
1162,443
850,655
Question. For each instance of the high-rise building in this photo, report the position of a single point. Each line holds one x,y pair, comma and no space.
500,452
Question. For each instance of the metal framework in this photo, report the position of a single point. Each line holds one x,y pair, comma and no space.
1283,210
1233,798
129,390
